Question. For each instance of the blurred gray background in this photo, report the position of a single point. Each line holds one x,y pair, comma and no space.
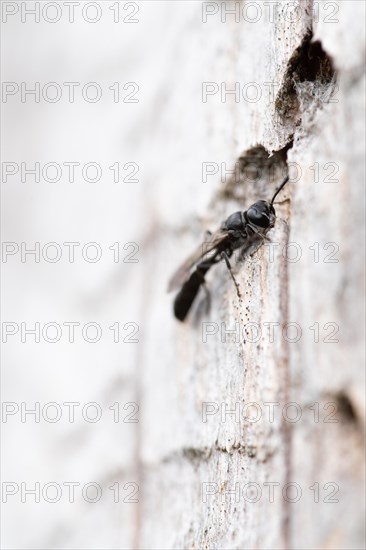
137,391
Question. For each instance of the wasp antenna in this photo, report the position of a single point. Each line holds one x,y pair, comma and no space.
279,189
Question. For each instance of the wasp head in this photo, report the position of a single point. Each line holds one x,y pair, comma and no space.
262,214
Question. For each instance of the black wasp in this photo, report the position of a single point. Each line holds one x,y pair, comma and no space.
240,230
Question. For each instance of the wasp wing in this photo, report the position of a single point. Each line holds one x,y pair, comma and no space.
183,271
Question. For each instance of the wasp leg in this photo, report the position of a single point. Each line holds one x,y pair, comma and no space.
256,250
227,261
263,237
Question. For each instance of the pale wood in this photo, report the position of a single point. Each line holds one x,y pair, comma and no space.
179,451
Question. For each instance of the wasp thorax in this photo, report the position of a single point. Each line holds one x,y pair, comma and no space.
235,222
262,214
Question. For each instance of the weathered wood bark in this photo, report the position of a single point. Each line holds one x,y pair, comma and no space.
246,439
314,121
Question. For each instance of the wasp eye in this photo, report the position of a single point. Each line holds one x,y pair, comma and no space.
257,214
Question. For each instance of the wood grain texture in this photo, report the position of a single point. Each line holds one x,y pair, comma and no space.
236,445
320,454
